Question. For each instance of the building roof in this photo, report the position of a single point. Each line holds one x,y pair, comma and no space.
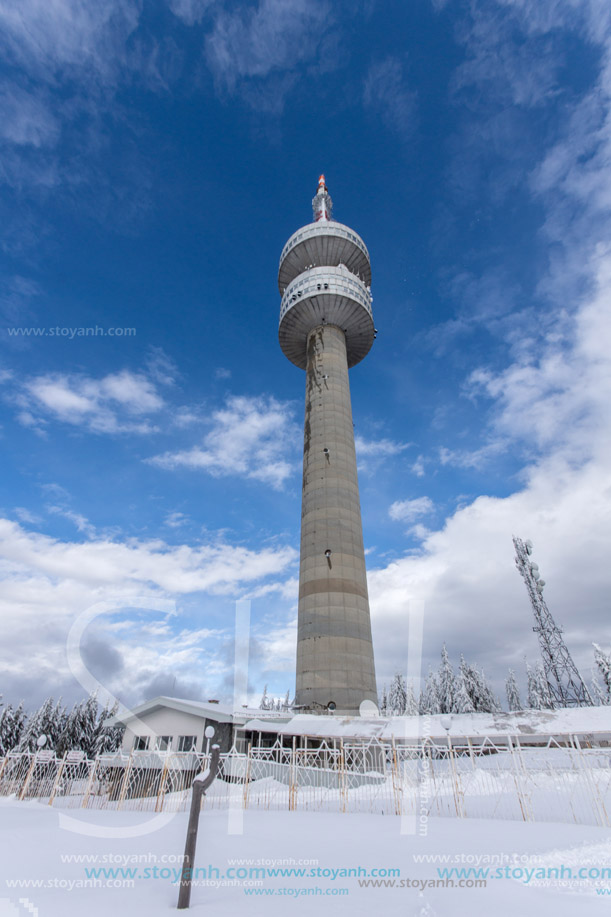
219,712
567,721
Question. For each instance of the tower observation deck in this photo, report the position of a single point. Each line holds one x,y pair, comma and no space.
326,326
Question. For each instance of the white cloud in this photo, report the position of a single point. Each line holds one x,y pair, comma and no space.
381,447
386,92
190,11
250,437
371,453
46,35
418,467
81,522
26,120
48,582
175,520
267,40
562,403
473,458
106,405
409,510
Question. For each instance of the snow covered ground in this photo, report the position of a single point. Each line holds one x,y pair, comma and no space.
39,845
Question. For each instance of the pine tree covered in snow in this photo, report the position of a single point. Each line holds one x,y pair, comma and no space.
429,696
397,696
384,702
462,700
266,702
538,691
12,724
598,693
48,720
477,688
513,695
411,704
445,683
603,662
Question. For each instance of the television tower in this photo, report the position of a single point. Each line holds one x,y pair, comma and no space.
565,684
326,327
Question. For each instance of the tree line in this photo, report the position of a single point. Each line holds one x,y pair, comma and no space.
83,728
467,691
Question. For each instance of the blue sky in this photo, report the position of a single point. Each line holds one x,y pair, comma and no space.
154,158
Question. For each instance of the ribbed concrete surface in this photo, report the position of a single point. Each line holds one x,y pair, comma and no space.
334,649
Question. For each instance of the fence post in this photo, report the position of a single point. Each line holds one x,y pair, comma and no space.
162,782
57,778
123,790
456,784
247,775
342,776
292,778
597,799
522,799
395,778
94,768
28,777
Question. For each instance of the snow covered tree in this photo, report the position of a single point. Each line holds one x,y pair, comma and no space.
603,662
109,738
411,704
397,696
12,723
384,702
513,695
538,691
266,703
445,683
462,700
477,688
599,695
48,720
429,696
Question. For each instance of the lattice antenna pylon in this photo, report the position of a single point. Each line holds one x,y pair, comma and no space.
565,684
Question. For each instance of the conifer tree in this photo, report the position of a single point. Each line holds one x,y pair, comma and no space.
513,695
429,697
384,702
264,703
397,696
603,662
538,691
477,688
12,723
445,683
411,704
462,700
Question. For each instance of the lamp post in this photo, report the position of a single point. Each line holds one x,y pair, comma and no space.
200,785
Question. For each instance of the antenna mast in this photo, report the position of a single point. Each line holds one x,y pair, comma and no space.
565,684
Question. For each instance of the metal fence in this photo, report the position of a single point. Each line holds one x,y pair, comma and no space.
562,781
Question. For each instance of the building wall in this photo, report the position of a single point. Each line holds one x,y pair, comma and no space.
165,721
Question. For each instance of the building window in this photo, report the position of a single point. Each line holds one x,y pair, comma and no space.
163,743
141,743
186,743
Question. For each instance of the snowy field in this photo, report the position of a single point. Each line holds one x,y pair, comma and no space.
39,846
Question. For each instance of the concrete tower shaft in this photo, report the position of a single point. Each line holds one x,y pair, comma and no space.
334,647
326,325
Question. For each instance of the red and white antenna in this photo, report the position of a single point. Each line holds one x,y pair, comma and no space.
322,205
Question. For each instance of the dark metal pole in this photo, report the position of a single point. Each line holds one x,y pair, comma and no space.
199,788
